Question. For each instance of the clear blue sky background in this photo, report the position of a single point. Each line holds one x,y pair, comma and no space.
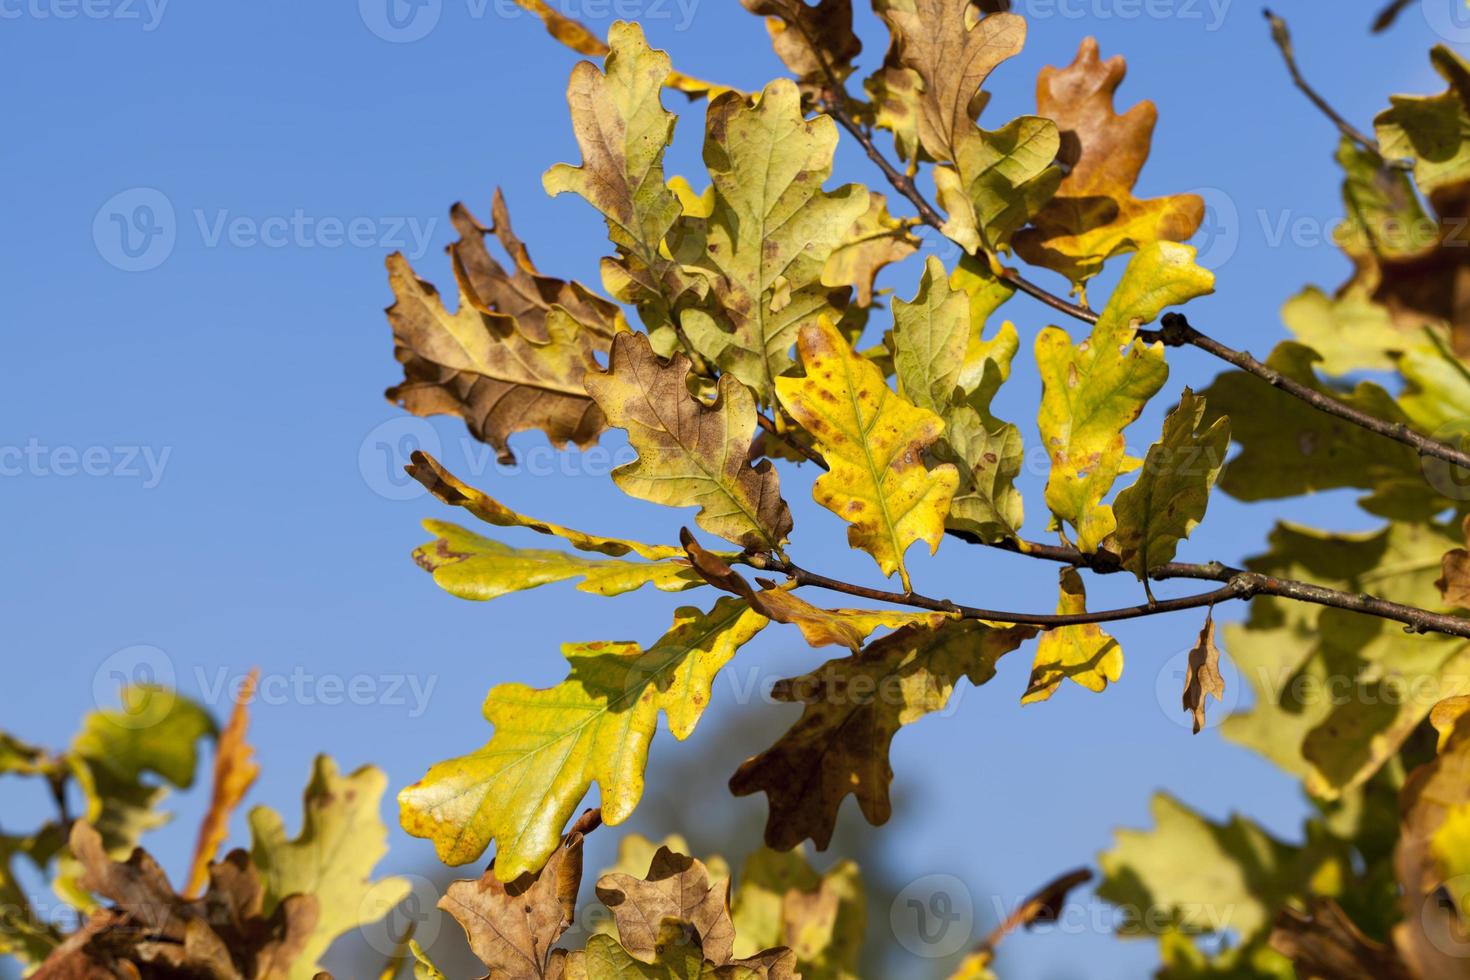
279,535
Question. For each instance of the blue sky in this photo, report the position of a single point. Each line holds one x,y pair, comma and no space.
198,454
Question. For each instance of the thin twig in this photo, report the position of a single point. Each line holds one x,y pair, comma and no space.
790,439
1282,37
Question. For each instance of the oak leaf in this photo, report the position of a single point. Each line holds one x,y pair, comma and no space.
470,566
770,235
1094,214
1091,392
450,489
484,367
874,442
1169,498
875,240
691,453
781,901
1202,673
675,887
1454,579
234,773
342,838
512,927
853,706
1084,653
678,957
815,41
550,745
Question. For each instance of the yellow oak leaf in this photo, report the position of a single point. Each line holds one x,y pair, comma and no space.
550,745
874,442
1084,653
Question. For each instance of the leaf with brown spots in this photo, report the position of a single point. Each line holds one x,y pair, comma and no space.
1202,674
819,627
770,234
875,240
853,706
512,927
487,369
691,454
874,441
550,745
1094,214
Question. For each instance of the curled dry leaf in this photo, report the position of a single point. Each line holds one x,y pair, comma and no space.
675,887
234,773
1202,674
512,927
691,454
815,41
1454,580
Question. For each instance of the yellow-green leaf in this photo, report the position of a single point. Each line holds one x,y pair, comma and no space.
342,838
691,453
1432,130
874,442
550,745
1083,653
781,901
470,566
450,489
875,240
1169,498
1091,392
1352,332
771,233
998,182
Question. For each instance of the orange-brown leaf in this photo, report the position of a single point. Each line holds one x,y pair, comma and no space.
234,773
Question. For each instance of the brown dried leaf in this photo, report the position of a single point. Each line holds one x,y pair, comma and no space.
1202,676
1323,942
1454,580
511,927
691,453
234,773
676,887
815,41
853,708
1094,214
485,368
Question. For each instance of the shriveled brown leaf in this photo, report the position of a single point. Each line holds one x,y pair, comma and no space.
677,887
815,41
234,773
1454,580
511,927
1322,942
151,931
1202,675
1094,214
691,453
853,708
485,368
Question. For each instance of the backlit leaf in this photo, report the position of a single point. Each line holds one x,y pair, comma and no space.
853,708
342,838
550,745
1083,653
874,441
1169,498
815,41
691,453
1094,214
781,901
875,240
771,234
235,770
1092,391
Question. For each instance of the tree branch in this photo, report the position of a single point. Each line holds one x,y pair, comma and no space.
1282,37
1175,330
